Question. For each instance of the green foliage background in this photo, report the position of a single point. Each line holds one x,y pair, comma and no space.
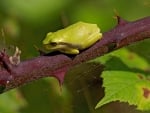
25,24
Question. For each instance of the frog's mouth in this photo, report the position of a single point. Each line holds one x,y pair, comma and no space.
61,45
54,47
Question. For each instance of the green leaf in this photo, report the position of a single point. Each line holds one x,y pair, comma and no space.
128,58
131,59
124,86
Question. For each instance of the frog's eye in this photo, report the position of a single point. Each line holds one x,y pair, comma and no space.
53,43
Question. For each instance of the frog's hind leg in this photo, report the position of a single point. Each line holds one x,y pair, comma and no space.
93,38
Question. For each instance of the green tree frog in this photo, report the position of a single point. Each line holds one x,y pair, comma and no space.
73,38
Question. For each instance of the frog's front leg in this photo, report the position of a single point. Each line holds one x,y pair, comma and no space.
69,50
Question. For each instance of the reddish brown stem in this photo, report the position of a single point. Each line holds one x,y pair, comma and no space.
123,34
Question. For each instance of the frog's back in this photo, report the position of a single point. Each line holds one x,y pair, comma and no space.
79,31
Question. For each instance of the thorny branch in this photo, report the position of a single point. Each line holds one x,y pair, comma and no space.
57,64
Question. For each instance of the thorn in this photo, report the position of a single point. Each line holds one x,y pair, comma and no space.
36,47
116,13
39,50
120,21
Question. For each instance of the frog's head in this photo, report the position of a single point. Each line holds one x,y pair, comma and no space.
53,43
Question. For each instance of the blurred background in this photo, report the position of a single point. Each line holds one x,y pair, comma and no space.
24,23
